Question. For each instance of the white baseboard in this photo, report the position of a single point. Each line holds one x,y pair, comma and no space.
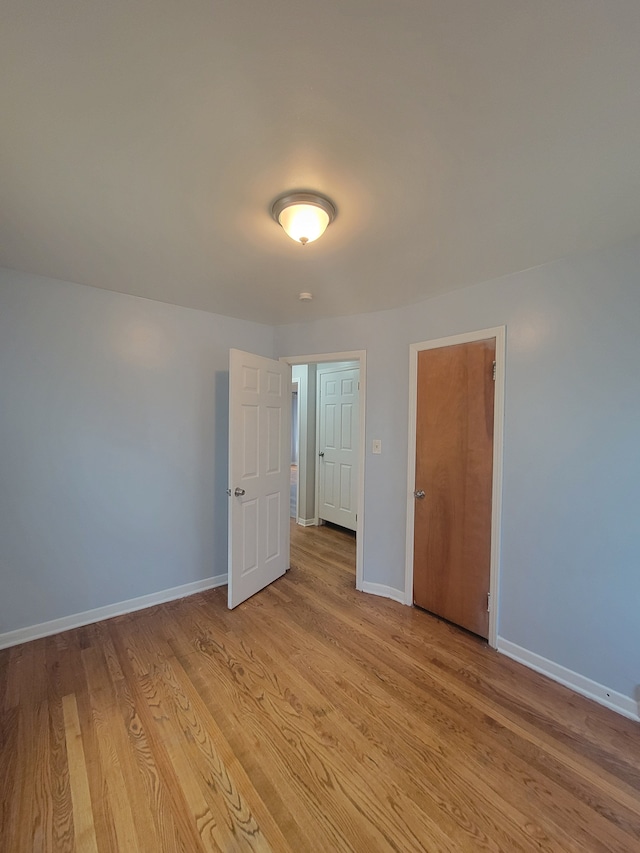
585,686
383,591
46,629
306,522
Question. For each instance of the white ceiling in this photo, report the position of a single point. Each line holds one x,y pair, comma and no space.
142,144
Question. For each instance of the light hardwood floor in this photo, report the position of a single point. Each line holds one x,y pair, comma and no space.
311,718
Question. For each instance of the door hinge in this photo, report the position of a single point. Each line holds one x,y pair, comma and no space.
493,373
358,386
488,602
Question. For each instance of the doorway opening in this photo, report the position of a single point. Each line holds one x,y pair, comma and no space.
330,445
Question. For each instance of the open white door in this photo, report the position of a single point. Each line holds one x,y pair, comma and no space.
259,472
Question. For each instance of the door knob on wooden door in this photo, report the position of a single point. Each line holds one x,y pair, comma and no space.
419,494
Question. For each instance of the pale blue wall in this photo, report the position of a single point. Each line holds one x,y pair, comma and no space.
570,582
113,446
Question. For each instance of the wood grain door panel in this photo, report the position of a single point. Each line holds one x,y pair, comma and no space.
454,466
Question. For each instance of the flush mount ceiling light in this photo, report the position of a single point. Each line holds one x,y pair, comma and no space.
304,216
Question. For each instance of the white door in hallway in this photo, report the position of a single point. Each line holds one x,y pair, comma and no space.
259,473
338,445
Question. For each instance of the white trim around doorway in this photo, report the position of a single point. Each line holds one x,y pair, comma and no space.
361,357
499,333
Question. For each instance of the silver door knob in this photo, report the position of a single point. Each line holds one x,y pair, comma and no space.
419,493
321,453
238,492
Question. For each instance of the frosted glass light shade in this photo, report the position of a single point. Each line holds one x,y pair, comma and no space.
304,216
304,222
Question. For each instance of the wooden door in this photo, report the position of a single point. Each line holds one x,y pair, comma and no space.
259,473
338,446
454,468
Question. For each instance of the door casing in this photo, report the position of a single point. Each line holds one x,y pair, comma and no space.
499,333
361,357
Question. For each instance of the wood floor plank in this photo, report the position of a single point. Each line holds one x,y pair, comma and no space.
103,818
307,688
84,829
62,831
43,802
220,764
217,770
5,660
311,718
146,700
25,818
249,763
427,738
497,677
398,732
167,836
216,829
457,699
61,680
124,786
418,673
13,676
458,815
10,778
306,776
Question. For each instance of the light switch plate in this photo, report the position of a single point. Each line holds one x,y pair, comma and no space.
376,446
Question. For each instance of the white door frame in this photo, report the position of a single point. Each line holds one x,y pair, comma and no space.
295,390
361,357
499,333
